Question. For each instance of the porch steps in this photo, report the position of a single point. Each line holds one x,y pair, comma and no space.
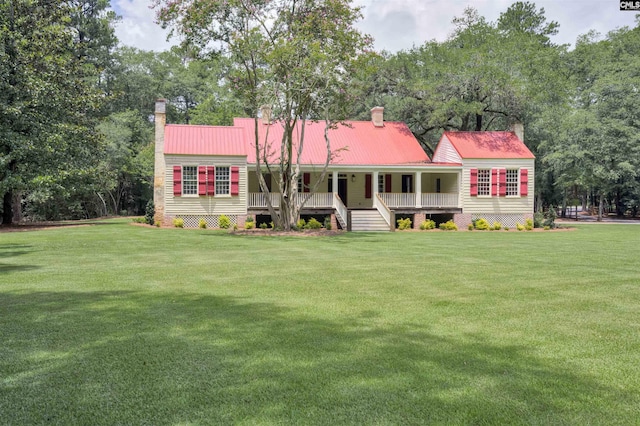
368,220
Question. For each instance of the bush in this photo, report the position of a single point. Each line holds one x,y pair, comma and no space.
538,218
224,222
139,220
482,225
506,228
327,223
202,224
528,224
550,217
263,225
519,227
157,223
248,219
404,224
300,224
449,226
546,228
313,224
149,212
470,227
178,222
249,224
497,226
427,224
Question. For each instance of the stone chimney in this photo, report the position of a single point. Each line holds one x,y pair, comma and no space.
265,112
160,166
518,129
377,116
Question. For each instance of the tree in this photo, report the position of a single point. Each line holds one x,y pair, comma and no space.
295,56
47,101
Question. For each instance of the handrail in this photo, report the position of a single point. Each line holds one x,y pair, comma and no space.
379,204
341,209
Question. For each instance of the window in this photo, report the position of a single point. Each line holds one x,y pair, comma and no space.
222,180
484,181
189,180
381,183
512,182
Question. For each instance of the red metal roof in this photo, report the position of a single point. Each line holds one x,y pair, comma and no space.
204,140
488,145
354,143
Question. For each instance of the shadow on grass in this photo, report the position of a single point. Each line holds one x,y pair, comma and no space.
14,250
152,358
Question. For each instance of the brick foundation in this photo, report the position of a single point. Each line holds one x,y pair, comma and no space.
418,218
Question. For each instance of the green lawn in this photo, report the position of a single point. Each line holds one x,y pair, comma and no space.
120,324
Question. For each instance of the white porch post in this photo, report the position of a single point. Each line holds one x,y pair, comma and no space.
418,186
334,182
374,183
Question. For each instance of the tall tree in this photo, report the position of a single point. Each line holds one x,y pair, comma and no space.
47,100
293,55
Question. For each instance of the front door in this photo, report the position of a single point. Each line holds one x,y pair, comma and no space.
407,183
342,190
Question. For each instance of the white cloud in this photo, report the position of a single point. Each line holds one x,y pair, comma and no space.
138,28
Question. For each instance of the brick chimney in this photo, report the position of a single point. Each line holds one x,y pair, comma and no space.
160,166
265,112
377,116
518,129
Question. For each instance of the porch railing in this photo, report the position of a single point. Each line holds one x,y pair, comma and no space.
317,200
444,199
379,204
341,210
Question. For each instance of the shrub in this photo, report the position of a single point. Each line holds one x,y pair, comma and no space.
224,222
546,228
263,225
519,227
178,222
249,224
249,219
449,226
538,218
528,224
139,220
497,226
482,224
202,224
470,227
300,224
427,224
149,212
550,217
313,224
327,223
404,224
506,228
157,223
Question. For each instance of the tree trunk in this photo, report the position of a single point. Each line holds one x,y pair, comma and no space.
600,207
7,208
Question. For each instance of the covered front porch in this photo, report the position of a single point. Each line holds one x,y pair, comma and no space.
360,189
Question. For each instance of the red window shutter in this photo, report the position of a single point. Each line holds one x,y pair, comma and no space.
367,185
202,180
306,180
503,182
494,182
524,182
211,180
387,183
177,180
474,182
235,180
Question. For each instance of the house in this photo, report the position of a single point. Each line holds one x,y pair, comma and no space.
379,172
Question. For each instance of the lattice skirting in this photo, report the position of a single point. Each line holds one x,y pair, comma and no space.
213,221
506,220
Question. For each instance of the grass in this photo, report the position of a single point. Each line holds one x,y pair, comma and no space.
119,324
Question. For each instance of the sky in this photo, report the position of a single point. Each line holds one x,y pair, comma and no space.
401,24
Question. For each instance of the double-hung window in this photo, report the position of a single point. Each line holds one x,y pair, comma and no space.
512,182
484,181
189,180
223,181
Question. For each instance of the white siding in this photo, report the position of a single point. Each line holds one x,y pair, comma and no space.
445,152
497,205
205,205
